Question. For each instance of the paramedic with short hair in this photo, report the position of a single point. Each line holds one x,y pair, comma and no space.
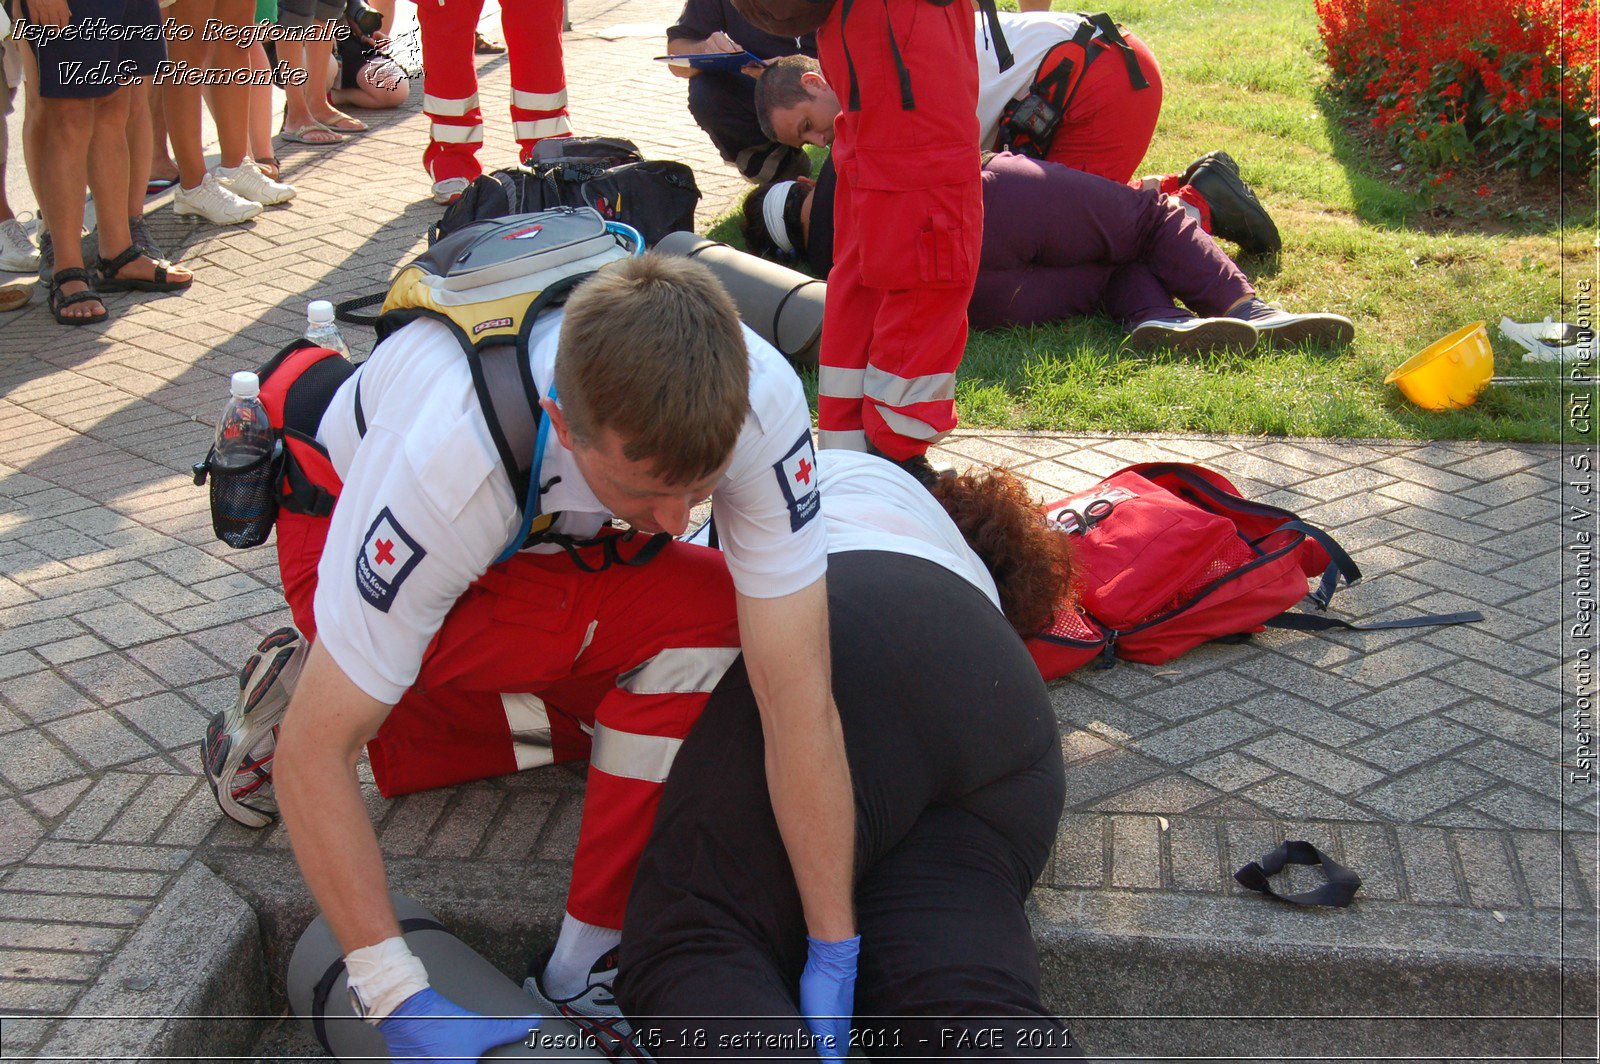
909,214
451,668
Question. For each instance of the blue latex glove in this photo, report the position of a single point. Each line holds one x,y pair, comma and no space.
828,994
429,1027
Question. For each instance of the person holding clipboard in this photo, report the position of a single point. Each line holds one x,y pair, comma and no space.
722,97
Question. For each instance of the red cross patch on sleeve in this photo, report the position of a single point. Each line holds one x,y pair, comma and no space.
797,476
388,555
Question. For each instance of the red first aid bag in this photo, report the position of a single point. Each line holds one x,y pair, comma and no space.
1170,555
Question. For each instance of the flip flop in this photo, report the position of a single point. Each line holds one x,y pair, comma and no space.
486,45
313,133
157,185
345,124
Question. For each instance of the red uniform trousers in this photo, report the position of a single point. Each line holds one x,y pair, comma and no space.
540,662
1108,125
908,222
532,30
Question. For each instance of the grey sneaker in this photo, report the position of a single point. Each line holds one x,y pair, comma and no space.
47,255
142,239
1280,328
594,1010
240,741
1193,335
17,253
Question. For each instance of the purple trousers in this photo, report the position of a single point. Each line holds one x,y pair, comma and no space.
1059,243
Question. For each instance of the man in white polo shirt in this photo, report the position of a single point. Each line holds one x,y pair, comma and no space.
450,665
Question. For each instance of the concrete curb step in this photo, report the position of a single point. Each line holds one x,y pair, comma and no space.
1153,975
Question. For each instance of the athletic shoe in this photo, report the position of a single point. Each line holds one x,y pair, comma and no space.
449,190
1280,328
239,743
17,251
143,240
1236,214
1193,335
593,1010
47,255
248,182
214,202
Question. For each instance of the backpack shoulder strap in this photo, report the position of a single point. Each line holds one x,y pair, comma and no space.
510,405
1114,39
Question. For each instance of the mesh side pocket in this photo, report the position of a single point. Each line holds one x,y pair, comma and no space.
1235,555
1068,623
244,502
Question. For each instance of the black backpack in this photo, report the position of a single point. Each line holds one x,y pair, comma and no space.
656,197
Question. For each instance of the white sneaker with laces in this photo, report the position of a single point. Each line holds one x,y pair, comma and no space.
1281,328
593,1010
1192,335
248,182
240,741
215,203
17,252
449,190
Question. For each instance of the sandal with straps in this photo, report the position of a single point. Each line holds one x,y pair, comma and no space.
60,301
110,282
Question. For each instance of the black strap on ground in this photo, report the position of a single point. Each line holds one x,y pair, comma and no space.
347,311
324,987
1338,891
1321,622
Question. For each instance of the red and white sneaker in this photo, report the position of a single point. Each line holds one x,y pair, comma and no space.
239,743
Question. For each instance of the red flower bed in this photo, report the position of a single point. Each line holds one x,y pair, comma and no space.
1509,83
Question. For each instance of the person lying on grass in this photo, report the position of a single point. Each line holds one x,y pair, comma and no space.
1058,243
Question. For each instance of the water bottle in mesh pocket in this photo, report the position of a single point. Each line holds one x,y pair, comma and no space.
244,501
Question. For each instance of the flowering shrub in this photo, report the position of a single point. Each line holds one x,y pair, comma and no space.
1508,82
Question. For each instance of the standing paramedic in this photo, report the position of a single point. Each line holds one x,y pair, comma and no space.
450,84
909,214
449,666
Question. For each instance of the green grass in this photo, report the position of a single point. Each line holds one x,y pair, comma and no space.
1407,262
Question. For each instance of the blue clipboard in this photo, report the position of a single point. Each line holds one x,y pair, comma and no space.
726,62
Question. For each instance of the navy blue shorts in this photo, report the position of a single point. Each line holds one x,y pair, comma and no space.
108,44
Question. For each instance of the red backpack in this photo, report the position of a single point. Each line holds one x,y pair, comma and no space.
1170,555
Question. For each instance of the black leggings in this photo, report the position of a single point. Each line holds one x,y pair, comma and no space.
956,764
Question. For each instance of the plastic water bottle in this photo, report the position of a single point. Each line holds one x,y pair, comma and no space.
321,330
244,435
243,504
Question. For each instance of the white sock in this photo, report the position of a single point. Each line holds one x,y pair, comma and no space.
577,948
228,171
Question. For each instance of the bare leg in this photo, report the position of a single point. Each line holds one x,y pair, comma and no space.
261,114
230,104
319,65
33,128
112,170
141,146
68,126
161,165
108,170
5,205
182,101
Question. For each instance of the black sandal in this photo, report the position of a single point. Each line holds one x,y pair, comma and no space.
60,302
110,282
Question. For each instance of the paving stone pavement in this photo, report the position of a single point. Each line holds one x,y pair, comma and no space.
1436,762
